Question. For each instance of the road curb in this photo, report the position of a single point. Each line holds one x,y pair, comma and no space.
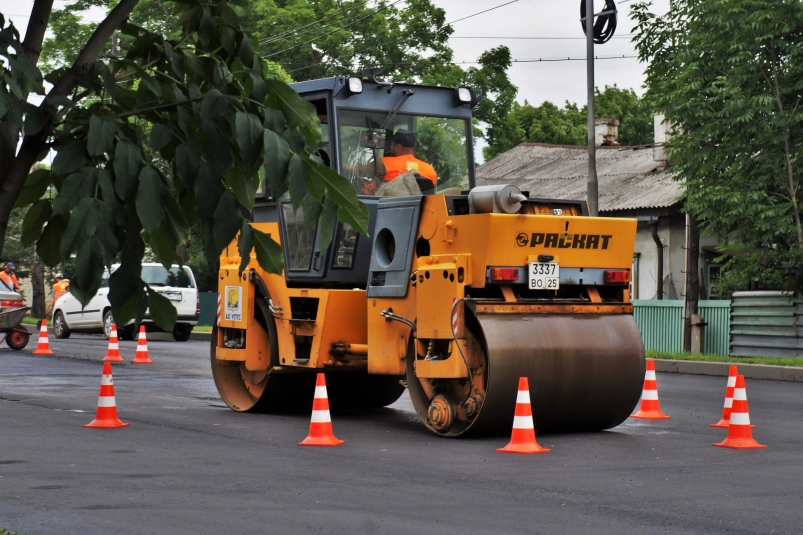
156,337
792,374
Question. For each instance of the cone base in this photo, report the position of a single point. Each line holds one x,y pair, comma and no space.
106,424
142,361
42,352
321,441
724,424
112,359
523,448
740,444
650,415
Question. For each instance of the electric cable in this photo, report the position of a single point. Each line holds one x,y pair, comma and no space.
272,38
481,12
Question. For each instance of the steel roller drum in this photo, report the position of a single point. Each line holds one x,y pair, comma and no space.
585,371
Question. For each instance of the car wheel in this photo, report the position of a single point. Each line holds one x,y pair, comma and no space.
182,332
60,326
17,340
126,333
108,321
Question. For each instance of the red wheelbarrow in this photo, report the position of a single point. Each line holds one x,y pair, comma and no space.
11,329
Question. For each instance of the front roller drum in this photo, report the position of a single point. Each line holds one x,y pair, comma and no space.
585,374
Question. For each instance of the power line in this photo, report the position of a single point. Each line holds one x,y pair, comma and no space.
481,12
279,37
473,62
533,38
374,12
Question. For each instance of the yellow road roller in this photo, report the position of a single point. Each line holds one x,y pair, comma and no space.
457,292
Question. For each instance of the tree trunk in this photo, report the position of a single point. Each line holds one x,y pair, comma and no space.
38,287
692,293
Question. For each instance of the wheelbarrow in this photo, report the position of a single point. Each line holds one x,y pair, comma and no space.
11,329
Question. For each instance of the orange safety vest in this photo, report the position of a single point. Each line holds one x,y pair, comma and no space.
10,281
59,289
398,165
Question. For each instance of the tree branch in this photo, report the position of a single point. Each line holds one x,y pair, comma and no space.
37,25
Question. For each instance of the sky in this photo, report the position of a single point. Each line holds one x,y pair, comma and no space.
556,82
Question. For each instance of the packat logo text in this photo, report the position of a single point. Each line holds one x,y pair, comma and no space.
564,241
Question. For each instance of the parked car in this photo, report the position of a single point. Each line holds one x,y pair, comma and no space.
177,284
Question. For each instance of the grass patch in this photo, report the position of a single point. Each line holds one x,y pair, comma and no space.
27,321
773,361
197,329
4,531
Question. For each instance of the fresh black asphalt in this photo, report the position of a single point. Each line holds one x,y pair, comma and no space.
189,465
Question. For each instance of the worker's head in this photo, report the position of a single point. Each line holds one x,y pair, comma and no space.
402,142
59,277
10,267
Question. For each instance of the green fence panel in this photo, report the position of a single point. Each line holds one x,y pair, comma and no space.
208,308
661,325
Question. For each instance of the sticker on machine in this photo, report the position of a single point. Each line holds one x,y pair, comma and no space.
233,310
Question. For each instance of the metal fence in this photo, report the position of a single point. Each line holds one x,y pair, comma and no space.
208,308
661,325
766,324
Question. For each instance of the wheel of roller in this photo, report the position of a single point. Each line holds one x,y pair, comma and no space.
273,390
585,374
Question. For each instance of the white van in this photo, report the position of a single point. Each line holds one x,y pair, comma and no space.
177,284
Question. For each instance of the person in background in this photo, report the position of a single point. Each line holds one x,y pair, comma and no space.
60,287
9,278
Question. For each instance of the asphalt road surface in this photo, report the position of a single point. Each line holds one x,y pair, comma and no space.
189,465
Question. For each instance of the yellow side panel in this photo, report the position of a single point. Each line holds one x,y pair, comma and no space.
341,319
388,340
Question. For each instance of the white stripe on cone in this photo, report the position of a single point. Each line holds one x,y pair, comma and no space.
320,392
740,418
523,422
732,381
106,380
320,417
523,397
106,401
649,375
728,403
650,395
114,345
740,395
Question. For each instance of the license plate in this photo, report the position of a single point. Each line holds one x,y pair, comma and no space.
544,276
173,296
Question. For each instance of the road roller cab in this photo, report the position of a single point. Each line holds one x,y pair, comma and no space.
457,292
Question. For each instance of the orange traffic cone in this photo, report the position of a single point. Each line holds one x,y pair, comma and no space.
522,440
113,352
106,414
726,411
650,407
43,348
740,437
320,428
141,357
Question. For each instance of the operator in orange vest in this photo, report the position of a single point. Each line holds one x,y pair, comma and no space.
60,287
400,159
9,278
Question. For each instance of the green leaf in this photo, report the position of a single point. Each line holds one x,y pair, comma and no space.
86,280
206,28
161,135
101,135
127,165
244,187
150,199
227,220
162,311
274,119
37,216
269,253
188,161
83,224
245,245
76,186
246,51
213,105
350,209
312,211
249,136
34,121
277,160
164,247
70,157
299,113
297,180
126,290
49,244
35,186
207,191
327,224
108,193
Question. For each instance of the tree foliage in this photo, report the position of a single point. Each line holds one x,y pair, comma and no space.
548,123
176,133
729,75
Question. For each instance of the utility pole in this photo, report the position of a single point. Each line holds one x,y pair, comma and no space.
592,186
692,291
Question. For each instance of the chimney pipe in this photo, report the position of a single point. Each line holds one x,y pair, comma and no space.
606,132
659,283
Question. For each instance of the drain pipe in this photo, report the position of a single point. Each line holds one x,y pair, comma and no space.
659,284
